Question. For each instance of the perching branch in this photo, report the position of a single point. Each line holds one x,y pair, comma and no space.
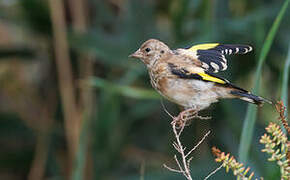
178,125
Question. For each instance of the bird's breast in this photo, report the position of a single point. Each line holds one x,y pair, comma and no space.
187,93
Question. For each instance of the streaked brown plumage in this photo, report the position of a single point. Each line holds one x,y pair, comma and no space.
185,76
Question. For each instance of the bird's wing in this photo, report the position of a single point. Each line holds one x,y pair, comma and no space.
212,55
189,72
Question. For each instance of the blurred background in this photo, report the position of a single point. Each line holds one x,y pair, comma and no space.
74,106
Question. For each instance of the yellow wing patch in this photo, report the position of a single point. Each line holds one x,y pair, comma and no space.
194,73
203,46
207,77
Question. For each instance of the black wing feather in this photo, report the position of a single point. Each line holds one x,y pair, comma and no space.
213,58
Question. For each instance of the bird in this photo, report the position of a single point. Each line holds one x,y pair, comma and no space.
186,76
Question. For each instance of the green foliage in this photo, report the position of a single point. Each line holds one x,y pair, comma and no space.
276,145
285,80
137,93
251,114
230,163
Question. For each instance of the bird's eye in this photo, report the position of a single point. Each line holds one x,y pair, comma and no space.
147,49
162,51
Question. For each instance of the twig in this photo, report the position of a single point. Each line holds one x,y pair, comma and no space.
213,172
203,138
164,108
171,169
178,125
181,150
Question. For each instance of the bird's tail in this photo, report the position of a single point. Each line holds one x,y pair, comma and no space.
251,98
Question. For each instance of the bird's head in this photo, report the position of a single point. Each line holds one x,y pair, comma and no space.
150,51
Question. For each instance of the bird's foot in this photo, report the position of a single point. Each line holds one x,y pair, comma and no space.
184,118
177,121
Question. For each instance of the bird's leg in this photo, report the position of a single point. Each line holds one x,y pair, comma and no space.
196,115
178,120
185,116
188,114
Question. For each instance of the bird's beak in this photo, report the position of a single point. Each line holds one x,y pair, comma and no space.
137,54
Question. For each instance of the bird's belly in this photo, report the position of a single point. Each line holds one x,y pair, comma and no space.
189,93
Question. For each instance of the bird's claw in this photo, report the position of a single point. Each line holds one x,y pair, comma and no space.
184,118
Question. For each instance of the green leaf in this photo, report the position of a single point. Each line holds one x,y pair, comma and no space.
285,80
132,92
248,127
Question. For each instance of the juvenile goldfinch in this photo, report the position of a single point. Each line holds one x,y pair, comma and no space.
186,76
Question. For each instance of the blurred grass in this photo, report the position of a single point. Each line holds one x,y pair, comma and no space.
137,93
251,115
285,81
284,86
80,160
